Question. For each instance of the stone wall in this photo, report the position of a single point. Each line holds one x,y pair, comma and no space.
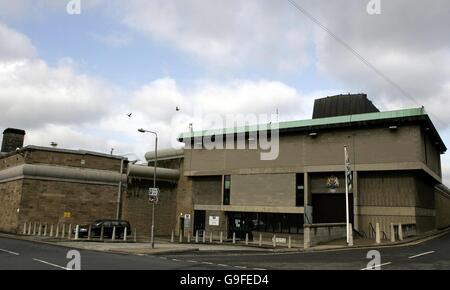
319,233
10,195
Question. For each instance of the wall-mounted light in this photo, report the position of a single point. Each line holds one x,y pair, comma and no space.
393,128
313,134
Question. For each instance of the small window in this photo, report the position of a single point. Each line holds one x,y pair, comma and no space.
226,189
299,190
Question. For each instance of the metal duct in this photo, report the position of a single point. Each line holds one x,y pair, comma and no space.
169,153
146,172
60,172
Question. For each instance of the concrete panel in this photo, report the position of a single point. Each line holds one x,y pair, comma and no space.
263,190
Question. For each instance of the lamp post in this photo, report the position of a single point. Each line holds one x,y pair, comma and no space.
152,237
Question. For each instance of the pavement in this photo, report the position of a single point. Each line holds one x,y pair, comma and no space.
24,252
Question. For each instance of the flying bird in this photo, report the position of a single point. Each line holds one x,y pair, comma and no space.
129,115
177,108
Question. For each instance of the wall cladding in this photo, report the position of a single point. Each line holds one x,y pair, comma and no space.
263,190
207,190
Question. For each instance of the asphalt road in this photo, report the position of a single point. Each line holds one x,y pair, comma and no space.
26,255
431,254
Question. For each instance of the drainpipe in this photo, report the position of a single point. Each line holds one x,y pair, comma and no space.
119,194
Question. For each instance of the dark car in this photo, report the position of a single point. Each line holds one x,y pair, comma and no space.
108,227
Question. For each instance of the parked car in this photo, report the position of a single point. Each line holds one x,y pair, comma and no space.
108,226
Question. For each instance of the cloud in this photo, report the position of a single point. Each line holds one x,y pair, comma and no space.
228,34
14,45
407,43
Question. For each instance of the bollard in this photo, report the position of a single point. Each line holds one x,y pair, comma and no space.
377,233
135,235
172,237
180,237
234,238
69,234
210,237
57,231
34,229
289,242
400,232
40,229
29,228
350,235
102,233
196,236
113,236
45,230
260,240
51,231
125,233
274,241
63,231
204,237
25,228
221,238
188,236
77,231
89,232
246,239
392,233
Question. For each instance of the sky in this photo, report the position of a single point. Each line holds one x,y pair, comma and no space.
73,78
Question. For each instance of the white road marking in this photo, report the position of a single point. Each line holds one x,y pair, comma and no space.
192,261
376,266
240,267
222,265
51,264
207,263
260,269
419,255
9,252
176,260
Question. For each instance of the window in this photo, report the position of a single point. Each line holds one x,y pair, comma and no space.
226,189
299,190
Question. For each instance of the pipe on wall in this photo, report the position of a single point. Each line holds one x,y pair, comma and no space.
146,172
165,154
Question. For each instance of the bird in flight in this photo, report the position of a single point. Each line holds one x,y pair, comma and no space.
129,115
177,108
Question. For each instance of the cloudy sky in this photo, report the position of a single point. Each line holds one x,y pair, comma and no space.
72,79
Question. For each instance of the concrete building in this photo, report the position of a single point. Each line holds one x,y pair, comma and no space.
394,156
395,159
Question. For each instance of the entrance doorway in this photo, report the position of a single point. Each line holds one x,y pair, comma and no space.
199,221
330,208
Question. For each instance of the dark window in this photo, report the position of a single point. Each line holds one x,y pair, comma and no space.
226,189
299,190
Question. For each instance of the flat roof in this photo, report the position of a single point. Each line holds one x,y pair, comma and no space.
412,114
61,150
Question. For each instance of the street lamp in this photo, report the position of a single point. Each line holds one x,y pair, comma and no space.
152,237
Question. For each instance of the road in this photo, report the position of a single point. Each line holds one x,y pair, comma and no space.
27,255
431,254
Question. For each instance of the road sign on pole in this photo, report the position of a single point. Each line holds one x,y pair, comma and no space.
153,194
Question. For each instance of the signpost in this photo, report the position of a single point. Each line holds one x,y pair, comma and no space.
153,195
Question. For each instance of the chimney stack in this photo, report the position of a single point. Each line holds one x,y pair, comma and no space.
12,139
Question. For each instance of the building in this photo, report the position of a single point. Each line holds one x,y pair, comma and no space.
52,185
394,156
395,159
